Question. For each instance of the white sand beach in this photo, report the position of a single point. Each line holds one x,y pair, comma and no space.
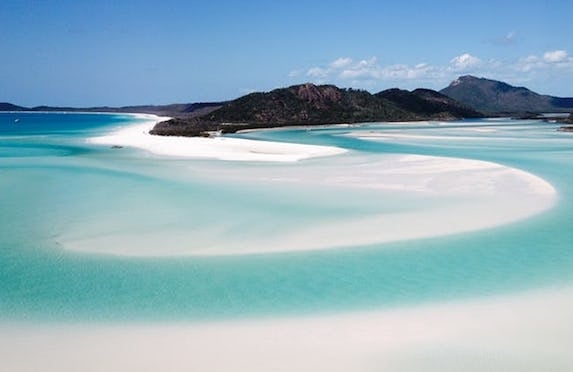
521,333
222,148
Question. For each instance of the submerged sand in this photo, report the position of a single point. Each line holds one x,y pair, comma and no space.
523,332
526,332
466,195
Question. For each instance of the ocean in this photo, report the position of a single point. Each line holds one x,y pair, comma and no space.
91,233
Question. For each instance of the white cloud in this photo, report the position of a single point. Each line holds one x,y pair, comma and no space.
370,69
346,68
529,63
371,72
317,72
341,62
294,73
555,56
363,69
464,62
550,60
421,71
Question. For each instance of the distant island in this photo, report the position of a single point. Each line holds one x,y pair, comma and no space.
308,104
496,98
173,110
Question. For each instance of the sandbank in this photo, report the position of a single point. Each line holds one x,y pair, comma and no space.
464,194
525,332
444,196
222,148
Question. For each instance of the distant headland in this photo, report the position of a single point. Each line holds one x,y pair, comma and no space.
309,104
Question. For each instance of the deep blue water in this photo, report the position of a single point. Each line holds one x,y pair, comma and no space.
53,182
38,123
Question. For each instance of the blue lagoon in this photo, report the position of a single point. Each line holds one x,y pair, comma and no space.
360,247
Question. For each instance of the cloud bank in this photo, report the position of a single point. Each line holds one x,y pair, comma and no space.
370,72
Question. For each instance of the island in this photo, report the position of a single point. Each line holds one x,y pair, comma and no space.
466,97
497,98
310,104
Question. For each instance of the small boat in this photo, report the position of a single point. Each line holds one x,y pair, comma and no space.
16,121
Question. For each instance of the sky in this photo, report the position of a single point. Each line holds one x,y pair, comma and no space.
116,53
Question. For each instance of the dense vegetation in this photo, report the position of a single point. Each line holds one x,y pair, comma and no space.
309,104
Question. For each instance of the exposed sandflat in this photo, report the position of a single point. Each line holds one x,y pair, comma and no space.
222,148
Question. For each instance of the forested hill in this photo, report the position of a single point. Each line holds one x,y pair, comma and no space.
309,104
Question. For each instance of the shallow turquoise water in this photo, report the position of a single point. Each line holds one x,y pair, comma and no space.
51,182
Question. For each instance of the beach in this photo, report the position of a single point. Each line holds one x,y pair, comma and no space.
222,148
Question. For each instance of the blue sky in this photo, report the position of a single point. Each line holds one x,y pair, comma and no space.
84,53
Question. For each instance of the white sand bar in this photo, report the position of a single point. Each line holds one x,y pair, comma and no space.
222,148
468,194
523,333
444,196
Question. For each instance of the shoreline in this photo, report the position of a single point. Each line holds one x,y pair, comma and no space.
341,125
221,148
